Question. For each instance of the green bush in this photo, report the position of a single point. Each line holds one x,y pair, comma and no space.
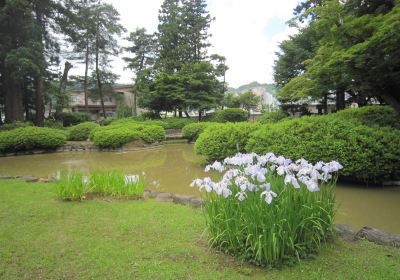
192,131
14,125
370,116
74,118
30,138
221,140
367,153
230,115
165,123
117,134
177,122
273,117
81,132
53,124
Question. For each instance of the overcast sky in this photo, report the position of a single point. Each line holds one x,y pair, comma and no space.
246,32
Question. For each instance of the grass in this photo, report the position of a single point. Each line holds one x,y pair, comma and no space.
75,186
42,237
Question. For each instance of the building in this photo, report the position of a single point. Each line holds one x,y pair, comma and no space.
120,96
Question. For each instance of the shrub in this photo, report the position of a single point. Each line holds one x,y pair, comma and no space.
74,118
150,116
112,137
14,125
192,131
268,211
81,132
367,153
273,117
221,140
152,134
30,138
177,122
370,116
230,115
117,134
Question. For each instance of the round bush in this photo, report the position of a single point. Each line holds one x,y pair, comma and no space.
114,137
192,131
367,153
74,118
177,122
30,138
81,132
221,140
152,134
230,115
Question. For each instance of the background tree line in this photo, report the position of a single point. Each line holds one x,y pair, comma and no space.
347,51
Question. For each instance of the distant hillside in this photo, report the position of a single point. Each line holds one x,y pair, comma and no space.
267,92
270,88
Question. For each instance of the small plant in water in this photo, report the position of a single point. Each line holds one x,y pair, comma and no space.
74,186
71,186
267,209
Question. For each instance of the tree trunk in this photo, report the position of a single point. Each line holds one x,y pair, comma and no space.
340,99
99,83
13,101
200,115
61,90
39,120
85,82
392,99
187,114
325,104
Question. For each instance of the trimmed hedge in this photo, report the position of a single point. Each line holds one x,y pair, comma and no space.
116,135
81,132
14,125
74,118
192,131
367,153
230,115
370,116
165,123
222,140
273,117
30,138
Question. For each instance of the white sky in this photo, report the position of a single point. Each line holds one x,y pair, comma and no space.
246,32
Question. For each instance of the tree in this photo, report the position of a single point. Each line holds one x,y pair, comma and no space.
248,100
231,100
106,44
221,69
201,87
144,50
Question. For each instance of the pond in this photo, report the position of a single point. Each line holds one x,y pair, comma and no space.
172,167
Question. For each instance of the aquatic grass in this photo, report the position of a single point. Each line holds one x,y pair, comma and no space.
71,187
116,183
76,186
269,210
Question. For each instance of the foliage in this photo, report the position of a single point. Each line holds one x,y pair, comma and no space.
53,124
221,140
81,132
30,138
116,184
273,117
177,122
75,186
14,125
248,100
165,123
230,115
268,210
71,187
124,131
74,118
192,131
367,153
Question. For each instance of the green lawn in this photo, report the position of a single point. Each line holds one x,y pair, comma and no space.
43,238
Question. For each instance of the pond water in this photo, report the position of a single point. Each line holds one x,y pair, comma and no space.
172,167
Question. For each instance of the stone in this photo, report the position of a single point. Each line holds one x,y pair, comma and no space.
44,180
164,197
345,231
379,236
7,177
196,202
182,199
30,179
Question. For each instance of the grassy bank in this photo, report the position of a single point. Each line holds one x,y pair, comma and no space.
44,238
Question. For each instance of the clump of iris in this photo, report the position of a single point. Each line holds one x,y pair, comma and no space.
269,209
